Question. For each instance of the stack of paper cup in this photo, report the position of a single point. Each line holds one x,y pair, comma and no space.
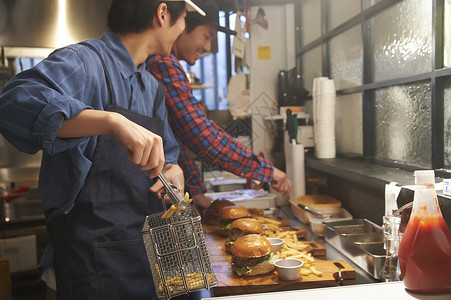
315,93
324,98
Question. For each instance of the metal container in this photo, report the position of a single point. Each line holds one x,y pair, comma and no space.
317,223
361,241
177,253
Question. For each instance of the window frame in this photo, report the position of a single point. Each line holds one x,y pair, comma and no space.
436,77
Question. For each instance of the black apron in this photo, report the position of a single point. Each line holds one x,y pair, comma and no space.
98,248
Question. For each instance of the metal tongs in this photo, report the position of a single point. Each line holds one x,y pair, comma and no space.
175,196
314,212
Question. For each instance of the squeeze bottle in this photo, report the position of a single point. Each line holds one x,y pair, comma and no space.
425,249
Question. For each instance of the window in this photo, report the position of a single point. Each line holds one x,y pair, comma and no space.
390,60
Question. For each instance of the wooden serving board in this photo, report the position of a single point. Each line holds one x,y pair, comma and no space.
231,284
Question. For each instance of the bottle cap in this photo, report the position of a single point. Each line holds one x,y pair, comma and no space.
424,177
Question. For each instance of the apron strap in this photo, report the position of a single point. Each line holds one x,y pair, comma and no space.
111,94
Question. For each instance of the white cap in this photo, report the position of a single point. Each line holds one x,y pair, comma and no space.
424,177
190,6
194,7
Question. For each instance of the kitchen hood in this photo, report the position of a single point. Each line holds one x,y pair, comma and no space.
51,23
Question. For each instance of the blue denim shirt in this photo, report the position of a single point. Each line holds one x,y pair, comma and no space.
35,102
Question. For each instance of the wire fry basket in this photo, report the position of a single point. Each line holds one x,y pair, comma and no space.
177,253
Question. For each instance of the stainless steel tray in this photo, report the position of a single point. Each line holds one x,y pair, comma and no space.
361,241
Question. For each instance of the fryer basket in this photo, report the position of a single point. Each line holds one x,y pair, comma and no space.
177,253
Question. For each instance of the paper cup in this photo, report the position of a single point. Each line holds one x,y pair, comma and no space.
327,87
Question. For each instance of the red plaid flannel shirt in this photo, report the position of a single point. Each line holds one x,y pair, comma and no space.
195,132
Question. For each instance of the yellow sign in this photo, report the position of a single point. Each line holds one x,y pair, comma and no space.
264,52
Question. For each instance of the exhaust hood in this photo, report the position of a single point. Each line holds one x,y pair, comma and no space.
51,23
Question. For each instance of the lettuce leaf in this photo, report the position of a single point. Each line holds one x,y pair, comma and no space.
226,227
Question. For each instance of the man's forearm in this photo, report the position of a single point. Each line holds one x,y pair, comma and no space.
88,123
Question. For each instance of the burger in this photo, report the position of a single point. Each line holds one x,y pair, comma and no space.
212,213
230,214
242,227
251,255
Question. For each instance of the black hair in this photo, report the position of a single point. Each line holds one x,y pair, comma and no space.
135,16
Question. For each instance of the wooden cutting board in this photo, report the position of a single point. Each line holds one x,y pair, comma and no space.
231,284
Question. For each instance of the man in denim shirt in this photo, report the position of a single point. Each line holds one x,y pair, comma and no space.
100,119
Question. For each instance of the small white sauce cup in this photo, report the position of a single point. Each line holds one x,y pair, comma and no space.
289,268
276,244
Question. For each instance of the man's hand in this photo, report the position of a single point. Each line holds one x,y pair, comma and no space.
175,176
201,202
280,182
144,147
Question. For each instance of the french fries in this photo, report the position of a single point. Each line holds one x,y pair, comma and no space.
169,212
174,208
298,246
188,200
316,272
292,247
174,284
309,261
265,220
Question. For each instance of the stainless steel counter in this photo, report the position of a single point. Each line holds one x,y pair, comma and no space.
376,291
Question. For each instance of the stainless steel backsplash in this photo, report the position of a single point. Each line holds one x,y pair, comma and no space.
51,23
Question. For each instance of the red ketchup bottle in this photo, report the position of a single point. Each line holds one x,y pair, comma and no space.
425,249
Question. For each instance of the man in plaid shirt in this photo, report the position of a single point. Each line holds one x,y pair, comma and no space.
194,131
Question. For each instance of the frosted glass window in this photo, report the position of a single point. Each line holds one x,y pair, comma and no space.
403,124
348,125
447,128
447,35
341,11
310,21
311,67
401,38
346,58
